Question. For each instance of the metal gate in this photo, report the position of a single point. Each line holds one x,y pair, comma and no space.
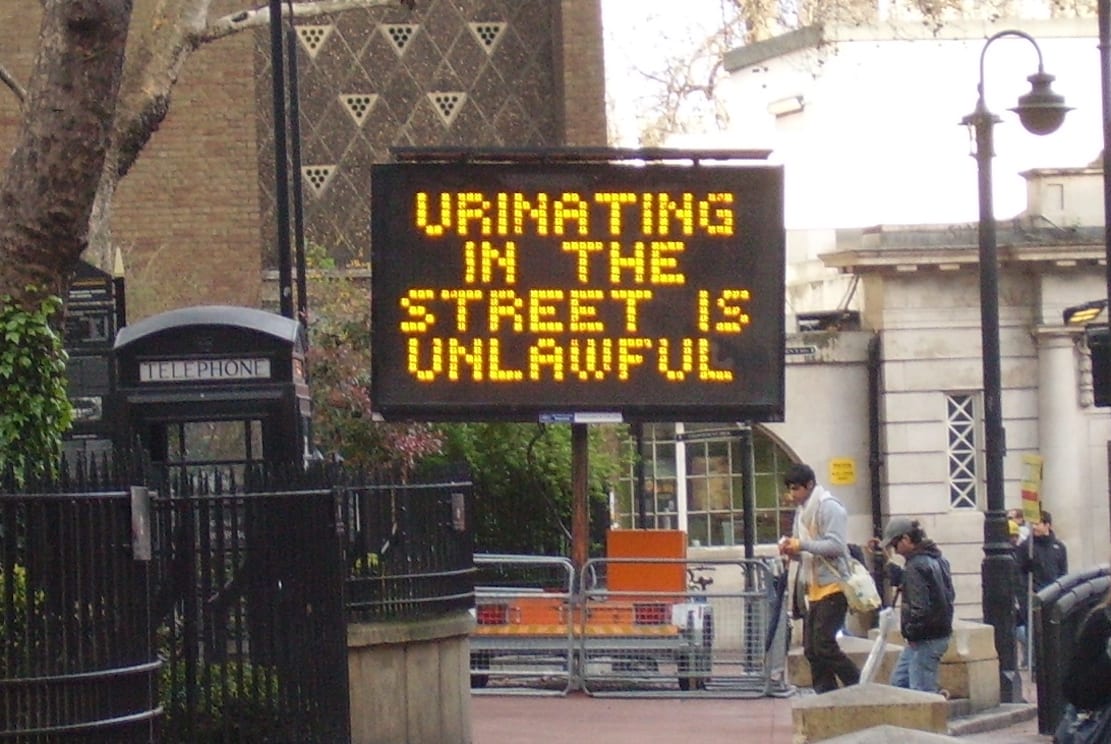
202,607
710,639
250,610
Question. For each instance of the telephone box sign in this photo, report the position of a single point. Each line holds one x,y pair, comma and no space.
509,290
203,370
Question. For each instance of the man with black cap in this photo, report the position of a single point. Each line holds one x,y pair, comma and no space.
818,543
927,614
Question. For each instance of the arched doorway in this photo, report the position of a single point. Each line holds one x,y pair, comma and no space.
691,476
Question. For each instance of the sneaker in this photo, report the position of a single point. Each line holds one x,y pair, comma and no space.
783,691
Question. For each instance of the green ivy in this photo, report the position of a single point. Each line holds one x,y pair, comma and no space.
34,408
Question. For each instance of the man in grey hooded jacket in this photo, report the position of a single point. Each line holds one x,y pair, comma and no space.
818,541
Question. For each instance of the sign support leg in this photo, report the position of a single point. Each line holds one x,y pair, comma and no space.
580,514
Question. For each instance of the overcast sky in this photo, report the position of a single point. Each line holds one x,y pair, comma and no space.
644,35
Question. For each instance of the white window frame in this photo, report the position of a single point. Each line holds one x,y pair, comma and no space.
962,439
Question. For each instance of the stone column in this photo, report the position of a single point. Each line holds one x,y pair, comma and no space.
1064,392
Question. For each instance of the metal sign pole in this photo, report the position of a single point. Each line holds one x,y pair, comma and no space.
580,514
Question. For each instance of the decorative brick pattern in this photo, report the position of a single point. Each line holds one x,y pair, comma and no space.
399,34
313,37
487,34
453,74
358,105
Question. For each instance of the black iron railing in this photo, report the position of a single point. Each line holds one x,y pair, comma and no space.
211,604
409,550
78,654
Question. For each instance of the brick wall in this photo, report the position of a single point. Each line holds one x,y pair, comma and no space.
186,216
583,74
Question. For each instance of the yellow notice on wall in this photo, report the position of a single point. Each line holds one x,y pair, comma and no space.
1032,488
842,471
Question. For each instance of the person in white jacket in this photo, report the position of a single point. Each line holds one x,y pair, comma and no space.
818,541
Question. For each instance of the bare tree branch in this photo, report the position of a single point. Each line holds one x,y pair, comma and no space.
684,91
13,85
244,19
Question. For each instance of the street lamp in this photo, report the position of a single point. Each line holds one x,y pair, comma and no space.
1041,111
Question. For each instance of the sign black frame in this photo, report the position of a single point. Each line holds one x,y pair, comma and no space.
410,256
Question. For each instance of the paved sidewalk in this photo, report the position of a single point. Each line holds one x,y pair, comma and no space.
578,718
581,719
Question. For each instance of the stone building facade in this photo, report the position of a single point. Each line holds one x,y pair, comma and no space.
881,210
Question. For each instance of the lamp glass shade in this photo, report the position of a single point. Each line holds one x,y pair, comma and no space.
1041,110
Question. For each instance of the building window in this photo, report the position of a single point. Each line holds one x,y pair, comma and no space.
960,420
715,473
703,468
654,508
775,512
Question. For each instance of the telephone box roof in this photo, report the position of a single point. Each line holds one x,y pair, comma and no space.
260,321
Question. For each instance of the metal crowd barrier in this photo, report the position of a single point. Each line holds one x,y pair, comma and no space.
627,626
709,638
522,641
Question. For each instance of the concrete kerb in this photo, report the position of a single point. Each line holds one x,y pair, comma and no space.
861,707
962,721
969,669
1000,717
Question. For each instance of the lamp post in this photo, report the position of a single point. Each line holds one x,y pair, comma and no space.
1103,17
1041,111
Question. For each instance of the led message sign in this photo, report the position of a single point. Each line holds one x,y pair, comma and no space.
512,291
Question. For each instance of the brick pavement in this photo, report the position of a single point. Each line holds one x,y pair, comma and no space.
581,719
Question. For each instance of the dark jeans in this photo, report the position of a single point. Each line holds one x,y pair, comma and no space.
828,662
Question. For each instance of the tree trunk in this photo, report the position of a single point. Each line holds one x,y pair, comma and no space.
51,181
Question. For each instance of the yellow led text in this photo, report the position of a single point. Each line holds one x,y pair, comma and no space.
432,358
505,214
537,311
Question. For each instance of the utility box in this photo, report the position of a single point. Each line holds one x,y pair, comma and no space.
214,384
638,576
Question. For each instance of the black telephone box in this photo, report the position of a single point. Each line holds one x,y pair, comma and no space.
214,385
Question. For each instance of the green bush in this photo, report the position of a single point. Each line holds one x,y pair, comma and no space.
522,476
236,701
20,609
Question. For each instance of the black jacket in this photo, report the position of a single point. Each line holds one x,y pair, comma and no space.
927,594
1049,563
